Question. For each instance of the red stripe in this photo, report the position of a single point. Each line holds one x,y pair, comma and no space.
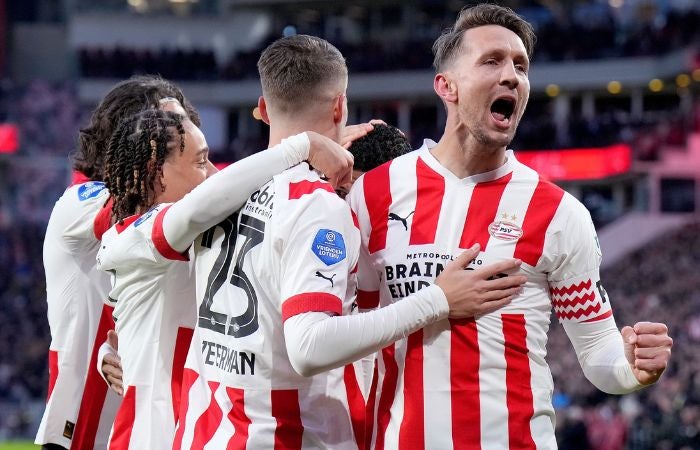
78,177
371,401
95,390
125,223
285,409
311,301
182,345
208,422
430,190
124,422
482,211
600,317
464,379
355,220
367,299
518,384
103,220
189,376
301,188
53,372
386,399
356,404
238,418
412,432
161,243
377,193
540,212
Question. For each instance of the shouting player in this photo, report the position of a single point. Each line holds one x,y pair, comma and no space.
275,289
79,412
487,377
155,169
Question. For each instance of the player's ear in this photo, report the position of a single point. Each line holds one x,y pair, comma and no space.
339,108
445,88
262,107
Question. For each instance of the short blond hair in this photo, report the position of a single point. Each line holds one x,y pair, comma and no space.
447,44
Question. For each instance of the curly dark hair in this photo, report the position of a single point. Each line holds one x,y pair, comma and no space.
380,145
134,159
127,98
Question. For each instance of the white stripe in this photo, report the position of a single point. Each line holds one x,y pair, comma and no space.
436,386
391,441
492,381
199,396
542,425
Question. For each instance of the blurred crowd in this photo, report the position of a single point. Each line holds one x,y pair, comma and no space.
609,33
657,283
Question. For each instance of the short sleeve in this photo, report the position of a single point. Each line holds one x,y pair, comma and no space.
576,291
319,250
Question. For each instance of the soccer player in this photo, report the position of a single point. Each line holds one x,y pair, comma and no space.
275,289
484,382
155,170
79,412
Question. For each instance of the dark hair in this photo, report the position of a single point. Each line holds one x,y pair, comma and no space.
135,156
446,45
380,145
127,98
294,70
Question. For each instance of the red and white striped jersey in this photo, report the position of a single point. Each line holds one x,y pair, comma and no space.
80,408
287,251
483,382
153,297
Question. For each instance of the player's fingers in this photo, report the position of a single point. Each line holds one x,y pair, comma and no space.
650,328
353,132
112,339
377,122
654,340
495,305
116,385
506,282
464,258
628,335
654,366
112,360
652,353
497,295
490,270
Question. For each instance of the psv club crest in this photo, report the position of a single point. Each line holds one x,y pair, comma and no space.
506,229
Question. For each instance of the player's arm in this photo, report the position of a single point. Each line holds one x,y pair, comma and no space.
317,342
222,193
613,365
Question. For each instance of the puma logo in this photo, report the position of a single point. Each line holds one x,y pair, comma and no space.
320,275
403,220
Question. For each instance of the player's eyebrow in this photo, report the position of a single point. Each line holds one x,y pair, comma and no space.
203,151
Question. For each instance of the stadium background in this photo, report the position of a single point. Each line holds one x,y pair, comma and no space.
614,118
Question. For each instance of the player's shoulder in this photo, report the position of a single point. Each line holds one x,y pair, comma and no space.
88,195
301,184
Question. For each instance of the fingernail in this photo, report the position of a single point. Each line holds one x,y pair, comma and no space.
518,262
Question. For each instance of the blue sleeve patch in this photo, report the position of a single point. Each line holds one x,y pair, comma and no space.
329,246
90,189
145,217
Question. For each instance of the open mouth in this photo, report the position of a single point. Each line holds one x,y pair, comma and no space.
502,109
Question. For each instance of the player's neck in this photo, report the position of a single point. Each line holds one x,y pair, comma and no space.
460,153
279,131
